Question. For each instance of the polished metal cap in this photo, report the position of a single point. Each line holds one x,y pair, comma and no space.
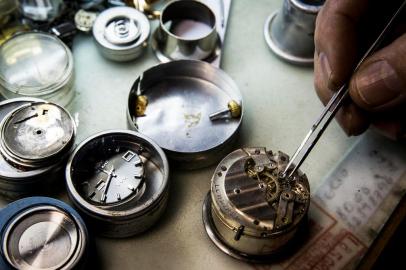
43,237
35,133
253,212
289,33
121,33
187,30
84,20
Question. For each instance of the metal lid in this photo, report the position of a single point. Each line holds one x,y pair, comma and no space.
37,132
121,31
34,64
41,237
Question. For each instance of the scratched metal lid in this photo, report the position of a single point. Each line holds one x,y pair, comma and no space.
42,233
36,132
252,212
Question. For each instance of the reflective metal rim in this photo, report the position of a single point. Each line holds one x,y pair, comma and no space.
277,50
37,250
214,236
165,59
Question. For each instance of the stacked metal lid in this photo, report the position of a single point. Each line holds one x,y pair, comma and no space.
36,138
121,33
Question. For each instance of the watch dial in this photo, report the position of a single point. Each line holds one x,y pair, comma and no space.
108,171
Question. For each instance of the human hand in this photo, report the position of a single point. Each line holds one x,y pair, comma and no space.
378,88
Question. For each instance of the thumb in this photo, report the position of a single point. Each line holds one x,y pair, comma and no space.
380,82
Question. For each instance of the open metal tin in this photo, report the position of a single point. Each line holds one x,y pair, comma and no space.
187,30
172,103
42,233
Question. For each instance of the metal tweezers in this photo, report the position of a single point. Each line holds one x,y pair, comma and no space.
321,123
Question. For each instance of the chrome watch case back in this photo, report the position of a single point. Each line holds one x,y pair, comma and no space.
42,233
121,33
252,211
36,138
119,179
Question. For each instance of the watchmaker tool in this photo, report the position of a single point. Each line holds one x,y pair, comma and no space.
321,123
289,33
171,103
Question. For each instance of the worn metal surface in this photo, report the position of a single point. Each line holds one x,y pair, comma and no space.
42,233
181,96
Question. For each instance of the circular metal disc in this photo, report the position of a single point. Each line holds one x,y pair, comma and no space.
38,131
42,237
122,31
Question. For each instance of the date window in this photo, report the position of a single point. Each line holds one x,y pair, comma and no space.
128,156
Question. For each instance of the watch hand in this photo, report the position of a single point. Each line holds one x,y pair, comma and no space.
26,119
111,174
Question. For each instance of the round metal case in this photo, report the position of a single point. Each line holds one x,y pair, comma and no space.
121,33
251,212
37,133
298,18
119,180
172,103
187,30
36,138
42,233
42,11
37,65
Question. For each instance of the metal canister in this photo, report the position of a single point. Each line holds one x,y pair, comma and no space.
187,30
252,212
119,180
36,138
121,33
42,233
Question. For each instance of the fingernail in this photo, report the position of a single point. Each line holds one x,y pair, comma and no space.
378,83
325,68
